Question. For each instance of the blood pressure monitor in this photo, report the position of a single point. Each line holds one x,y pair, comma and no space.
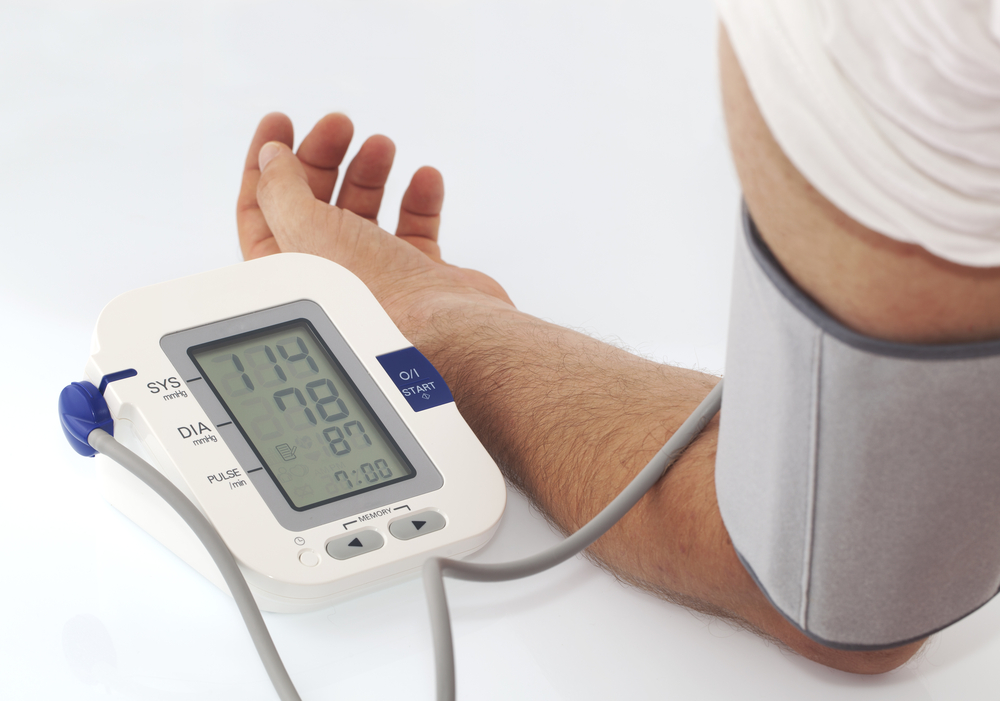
282,400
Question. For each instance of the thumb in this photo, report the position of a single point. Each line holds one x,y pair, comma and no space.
287,202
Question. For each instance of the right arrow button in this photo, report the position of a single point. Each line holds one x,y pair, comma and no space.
415,525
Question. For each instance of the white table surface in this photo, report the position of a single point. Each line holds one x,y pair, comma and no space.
586,169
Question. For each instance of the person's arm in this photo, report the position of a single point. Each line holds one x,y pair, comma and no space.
569,419
873,284
869,282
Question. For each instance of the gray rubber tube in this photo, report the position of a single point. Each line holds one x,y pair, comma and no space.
436,569
104,443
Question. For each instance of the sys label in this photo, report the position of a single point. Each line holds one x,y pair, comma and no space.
415,378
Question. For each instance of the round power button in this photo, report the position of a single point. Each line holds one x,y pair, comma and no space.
309,558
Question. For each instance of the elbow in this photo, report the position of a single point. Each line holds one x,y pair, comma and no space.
853,661
868,661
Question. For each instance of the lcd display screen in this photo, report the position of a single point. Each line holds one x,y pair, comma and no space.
301,413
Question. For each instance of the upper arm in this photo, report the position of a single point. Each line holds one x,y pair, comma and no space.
871,283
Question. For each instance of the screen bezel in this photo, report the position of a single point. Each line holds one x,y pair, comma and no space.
343,379
426,478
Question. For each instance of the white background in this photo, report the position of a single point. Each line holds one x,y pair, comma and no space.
586,169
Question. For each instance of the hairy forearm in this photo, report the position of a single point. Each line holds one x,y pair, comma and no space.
571,420
559,408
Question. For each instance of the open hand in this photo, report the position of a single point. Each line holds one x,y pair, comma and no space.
284,206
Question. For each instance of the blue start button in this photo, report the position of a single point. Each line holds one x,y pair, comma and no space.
415,378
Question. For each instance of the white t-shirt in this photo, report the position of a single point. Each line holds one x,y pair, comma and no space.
890,108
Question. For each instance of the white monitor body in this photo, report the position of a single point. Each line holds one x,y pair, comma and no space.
299,547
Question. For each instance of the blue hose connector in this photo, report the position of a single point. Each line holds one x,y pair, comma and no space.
82,409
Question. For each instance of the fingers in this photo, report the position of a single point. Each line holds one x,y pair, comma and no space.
255,236
420,211
364,181
298,188
322,152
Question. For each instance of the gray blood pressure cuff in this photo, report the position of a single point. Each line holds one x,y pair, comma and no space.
859,479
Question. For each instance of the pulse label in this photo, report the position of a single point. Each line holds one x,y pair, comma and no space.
415,378
231,474
232,478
